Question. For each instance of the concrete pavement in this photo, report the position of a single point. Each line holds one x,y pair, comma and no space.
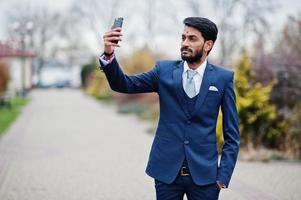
67,146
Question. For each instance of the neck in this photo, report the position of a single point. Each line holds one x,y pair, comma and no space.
195,65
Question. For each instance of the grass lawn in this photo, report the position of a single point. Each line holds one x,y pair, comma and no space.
9,114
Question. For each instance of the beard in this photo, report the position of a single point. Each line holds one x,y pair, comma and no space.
193,58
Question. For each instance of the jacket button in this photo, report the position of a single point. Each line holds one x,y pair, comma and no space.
188,122
186,142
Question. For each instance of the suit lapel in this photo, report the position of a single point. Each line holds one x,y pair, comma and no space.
178,85
206,82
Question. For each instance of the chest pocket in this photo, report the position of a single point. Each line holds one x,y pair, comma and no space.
213,100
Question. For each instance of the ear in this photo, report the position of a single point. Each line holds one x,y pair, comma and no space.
208,45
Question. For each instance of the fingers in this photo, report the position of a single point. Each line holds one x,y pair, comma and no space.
116,29
112,44
112,33
112,37
116,32
112,41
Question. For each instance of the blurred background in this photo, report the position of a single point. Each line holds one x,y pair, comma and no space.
56,44
45,45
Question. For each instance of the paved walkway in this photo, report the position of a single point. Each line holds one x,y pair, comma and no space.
68,146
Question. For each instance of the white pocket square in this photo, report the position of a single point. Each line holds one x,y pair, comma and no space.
213,88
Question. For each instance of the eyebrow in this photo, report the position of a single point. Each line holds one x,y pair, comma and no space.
191,35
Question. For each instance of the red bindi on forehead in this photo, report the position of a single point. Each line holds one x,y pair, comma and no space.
190,31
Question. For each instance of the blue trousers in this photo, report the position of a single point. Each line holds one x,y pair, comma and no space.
185,185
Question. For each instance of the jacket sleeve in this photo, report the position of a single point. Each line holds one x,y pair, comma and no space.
138,83
230,132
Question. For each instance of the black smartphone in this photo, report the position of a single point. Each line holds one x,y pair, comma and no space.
117,23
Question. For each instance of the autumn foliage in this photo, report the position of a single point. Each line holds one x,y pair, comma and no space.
4,76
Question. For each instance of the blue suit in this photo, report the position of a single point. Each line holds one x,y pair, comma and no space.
182,134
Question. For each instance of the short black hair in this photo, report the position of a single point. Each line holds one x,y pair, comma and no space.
207,28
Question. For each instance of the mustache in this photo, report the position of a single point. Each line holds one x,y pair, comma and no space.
186,49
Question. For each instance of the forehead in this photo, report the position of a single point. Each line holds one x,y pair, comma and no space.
191,31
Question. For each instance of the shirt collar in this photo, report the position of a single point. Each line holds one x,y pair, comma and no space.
200,70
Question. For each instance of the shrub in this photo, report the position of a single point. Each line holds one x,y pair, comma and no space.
4,76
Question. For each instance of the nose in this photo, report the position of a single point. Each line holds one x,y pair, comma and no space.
185,43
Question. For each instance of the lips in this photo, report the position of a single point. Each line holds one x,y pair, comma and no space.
186,50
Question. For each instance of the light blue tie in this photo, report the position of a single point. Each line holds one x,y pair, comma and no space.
190,85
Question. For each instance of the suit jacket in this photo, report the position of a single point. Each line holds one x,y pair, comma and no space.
181,134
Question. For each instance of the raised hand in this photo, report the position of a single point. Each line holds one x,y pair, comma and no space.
111,39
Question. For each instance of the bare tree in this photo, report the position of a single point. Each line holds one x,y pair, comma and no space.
153,22
287,65
150,18
51,31
239,22
224,11
228,27
98,15
195,7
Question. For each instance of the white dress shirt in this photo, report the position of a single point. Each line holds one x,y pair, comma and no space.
197,78
102,59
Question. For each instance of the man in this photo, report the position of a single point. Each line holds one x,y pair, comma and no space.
183,157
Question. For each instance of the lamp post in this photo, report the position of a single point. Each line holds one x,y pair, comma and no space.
23,28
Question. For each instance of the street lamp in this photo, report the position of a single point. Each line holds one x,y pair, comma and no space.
23,29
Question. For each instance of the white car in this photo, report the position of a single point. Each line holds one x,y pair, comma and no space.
55,77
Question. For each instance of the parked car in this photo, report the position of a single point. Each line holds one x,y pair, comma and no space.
55,77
